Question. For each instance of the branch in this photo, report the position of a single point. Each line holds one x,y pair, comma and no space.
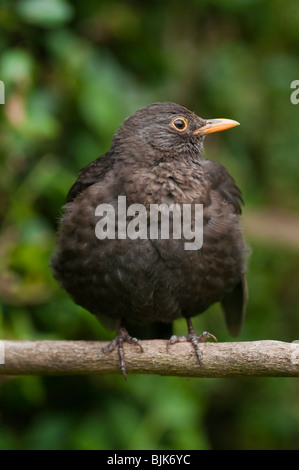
243,359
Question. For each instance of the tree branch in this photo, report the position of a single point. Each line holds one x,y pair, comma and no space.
236,359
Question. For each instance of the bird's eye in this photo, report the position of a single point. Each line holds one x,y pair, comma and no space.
179,124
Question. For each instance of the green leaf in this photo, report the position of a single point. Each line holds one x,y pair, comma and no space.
45,13
16,66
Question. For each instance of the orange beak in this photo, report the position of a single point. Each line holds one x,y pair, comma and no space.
216,125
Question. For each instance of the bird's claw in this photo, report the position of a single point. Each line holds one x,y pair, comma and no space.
194,339
119,340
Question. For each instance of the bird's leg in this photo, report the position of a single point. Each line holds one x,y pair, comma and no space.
192,338
119,340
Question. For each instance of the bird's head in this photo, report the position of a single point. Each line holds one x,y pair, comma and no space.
169,128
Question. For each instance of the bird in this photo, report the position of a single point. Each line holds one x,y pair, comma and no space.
156,158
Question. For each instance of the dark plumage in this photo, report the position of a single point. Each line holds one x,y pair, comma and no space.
155,157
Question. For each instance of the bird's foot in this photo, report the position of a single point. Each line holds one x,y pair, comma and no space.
192,338
119,340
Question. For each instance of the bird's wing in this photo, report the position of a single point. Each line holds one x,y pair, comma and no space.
234,305
224,184
89,175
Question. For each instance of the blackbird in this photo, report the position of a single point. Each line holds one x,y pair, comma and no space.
156,158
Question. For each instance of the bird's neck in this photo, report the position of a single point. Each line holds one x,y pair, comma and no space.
144,156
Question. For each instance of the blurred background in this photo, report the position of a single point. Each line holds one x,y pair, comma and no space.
73,71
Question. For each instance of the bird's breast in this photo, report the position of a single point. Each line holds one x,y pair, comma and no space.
165,183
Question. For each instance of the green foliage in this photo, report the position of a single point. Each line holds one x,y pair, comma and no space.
72,72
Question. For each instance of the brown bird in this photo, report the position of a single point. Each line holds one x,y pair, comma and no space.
127,272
